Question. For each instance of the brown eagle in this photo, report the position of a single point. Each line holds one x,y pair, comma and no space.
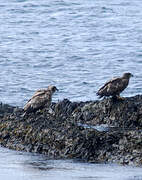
40,98
115,86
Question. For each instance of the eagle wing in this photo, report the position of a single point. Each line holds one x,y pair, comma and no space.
112,87
39,92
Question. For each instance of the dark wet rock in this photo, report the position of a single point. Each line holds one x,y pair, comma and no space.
68,130
6,109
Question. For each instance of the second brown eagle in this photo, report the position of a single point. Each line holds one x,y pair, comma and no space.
115,86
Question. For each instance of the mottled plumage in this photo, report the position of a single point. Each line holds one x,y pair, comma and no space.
40,98
115,86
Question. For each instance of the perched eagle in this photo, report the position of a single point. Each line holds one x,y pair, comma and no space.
40,98
115,86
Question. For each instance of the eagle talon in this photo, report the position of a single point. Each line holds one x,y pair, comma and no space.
120,98
117,98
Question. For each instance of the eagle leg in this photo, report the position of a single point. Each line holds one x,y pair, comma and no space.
120,98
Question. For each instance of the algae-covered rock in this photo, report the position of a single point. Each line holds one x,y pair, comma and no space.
70,130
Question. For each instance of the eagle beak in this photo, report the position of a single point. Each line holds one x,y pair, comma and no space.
132,75
57,89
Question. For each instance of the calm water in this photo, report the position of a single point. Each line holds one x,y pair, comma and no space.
25,166
76,45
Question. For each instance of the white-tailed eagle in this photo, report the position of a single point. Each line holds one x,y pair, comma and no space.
40,98
115,86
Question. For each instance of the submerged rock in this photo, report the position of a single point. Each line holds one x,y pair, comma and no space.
74,130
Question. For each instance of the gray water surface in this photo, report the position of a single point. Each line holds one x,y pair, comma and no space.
76,45
28,166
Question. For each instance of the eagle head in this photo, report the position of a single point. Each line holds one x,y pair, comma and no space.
127,75
52,88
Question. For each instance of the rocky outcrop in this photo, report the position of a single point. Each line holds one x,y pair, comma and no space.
94,131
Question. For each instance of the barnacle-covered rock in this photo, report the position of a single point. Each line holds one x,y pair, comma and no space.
93,131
